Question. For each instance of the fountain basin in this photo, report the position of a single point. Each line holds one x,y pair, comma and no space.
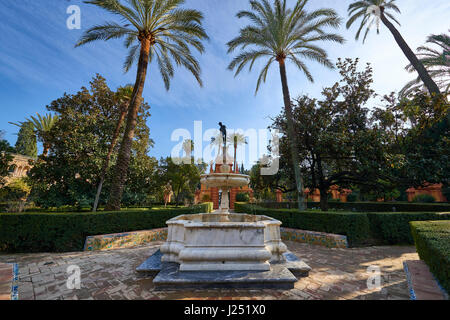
225,180
224,242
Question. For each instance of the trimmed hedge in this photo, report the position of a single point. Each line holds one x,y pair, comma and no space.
367,206
432,241
355,226
65,232
393,227
360,228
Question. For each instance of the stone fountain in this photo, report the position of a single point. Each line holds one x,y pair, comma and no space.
223,249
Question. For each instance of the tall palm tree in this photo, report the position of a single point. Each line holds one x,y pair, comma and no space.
188,147
372,11
281,34
436,61
236,139
123,97
42,126
154,30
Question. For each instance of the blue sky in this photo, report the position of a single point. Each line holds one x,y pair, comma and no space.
38,63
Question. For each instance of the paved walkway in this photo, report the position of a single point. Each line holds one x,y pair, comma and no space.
422,281
337,274
6,277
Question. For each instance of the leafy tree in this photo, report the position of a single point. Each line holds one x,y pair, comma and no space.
143,182
184,178
80,141
426,141
335,136
159,31
123,97
26,141
281,34
417,139
437,62
380,10
5,159
283,180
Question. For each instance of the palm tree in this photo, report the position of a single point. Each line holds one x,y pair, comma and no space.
372,11
437,63
281,34
154,30
219,142
42,126
188,147
236,139
123,97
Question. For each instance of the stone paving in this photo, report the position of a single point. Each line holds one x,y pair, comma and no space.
6,276
423,283
337,274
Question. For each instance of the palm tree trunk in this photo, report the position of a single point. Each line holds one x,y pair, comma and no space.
123,160
291,135
108,158
235,156
423,73
46,150
324,205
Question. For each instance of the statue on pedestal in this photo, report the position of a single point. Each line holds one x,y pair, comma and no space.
223,130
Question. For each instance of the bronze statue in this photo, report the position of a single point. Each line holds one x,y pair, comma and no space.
223,130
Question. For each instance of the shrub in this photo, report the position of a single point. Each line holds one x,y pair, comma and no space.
393,228
206,198
352,197
64,232
446,193
208,207
353,225
424,198
15,195
242,197
432,241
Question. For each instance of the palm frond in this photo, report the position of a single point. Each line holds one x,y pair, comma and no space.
437,63
172,31
362,10
276,32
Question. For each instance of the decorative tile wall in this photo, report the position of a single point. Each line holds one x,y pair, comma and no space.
134,239
124,240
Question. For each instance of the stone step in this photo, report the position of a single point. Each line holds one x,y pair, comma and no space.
167,276
170,278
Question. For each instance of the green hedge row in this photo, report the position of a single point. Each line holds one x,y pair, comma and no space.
354,225
360,228
393,228
65,232
432,241
367,206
